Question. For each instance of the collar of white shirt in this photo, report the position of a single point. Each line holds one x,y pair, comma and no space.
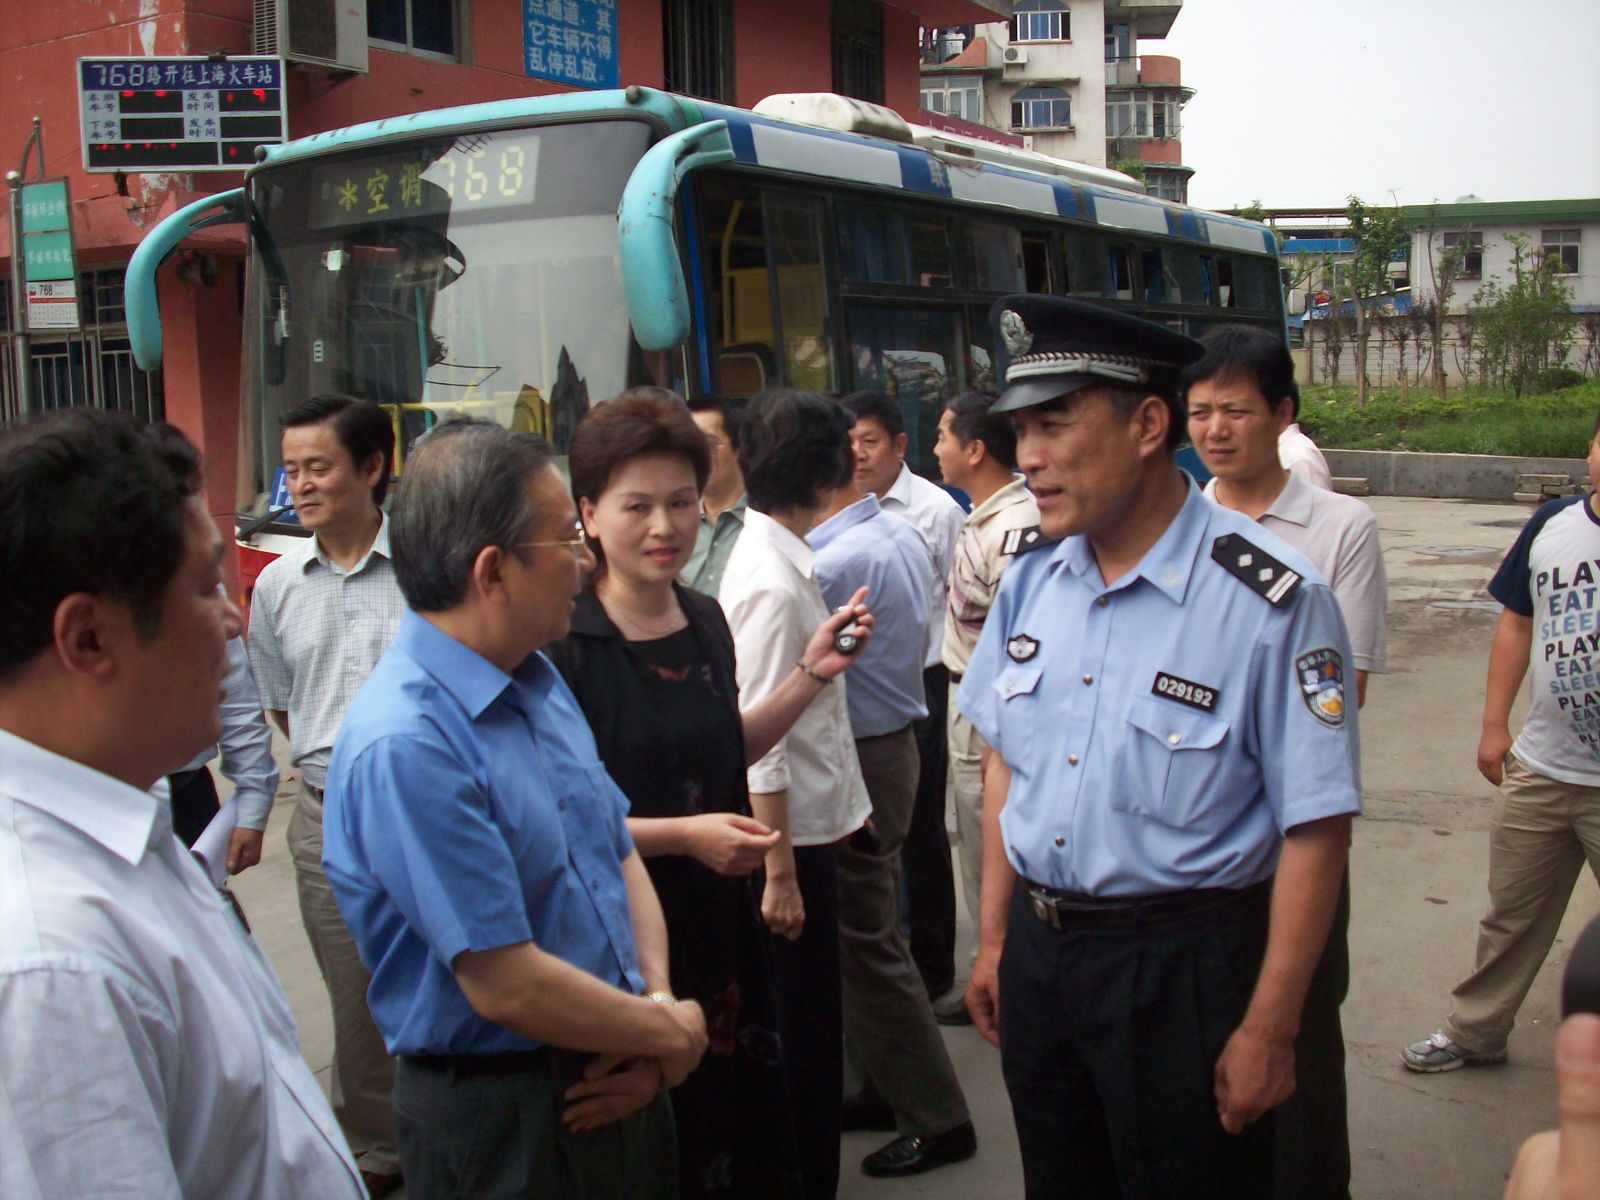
117,815
1294,503
313,552
900,490
794,549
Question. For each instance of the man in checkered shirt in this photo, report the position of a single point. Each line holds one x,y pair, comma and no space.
321,617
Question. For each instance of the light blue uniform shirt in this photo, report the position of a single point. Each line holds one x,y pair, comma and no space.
468,809
1164,732
864,546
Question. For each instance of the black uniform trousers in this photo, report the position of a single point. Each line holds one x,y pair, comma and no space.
930,881
811,1020
1313,1130
1110,1032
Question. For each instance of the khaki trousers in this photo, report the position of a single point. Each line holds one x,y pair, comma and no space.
964,786
1543,831
362,1079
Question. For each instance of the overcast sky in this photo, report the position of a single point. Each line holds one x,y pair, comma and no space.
1299,103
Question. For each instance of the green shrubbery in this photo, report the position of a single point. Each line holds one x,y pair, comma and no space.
1543,424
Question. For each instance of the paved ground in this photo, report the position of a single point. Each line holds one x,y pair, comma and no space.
1419,867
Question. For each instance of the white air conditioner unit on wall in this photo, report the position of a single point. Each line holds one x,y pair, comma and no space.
1015,56
323,33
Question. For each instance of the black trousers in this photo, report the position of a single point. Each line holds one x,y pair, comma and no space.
1313,1130
925,855
811,1020
194,803
501,1138
1109,1036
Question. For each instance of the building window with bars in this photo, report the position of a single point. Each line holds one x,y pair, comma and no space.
1469,246
425,27
858,49
961,98
1561,249
1040,21
699,48
1041,108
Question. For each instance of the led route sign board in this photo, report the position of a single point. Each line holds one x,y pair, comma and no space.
179,114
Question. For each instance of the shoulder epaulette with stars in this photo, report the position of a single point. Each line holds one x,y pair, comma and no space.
1255,568
1020,541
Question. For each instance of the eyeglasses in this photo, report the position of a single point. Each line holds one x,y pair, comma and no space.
578,539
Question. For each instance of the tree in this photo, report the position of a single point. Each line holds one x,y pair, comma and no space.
1526,323
1379,236
1446,273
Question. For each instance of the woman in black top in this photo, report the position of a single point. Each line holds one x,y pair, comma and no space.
652,665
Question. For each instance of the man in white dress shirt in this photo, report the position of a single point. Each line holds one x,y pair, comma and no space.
146,1048
879,441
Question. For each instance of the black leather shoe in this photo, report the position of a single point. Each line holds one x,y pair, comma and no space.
914,1155
952,1009
874,1116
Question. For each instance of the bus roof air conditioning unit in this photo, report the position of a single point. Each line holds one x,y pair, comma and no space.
321,33
1015,56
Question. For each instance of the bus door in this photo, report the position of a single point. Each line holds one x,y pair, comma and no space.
763,307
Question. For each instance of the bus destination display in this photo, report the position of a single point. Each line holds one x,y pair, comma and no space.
183,114
486,171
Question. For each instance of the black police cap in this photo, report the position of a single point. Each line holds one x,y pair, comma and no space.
1051,346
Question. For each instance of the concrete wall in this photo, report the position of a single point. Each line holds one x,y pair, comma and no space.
1456,476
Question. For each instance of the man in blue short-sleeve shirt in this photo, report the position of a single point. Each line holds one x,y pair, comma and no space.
1547,821
1168,798
479,855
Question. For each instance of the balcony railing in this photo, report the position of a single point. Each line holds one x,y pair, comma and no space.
1122,72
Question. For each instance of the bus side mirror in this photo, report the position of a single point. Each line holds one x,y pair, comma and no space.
652,268
139,287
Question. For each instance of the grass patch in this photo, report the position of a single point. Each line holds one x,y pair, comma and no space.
1552,425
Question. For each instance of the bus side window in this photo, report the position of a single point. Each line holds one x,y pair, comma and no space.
911,354
871,245
1258,283
995,258
738,321
794,239
1225,293
1085,259
1036,263
1119,284
1191,280
1159,287
1208,280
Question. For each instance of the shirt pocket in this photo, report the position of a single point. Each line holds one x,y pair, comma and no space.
1173,766
1016,689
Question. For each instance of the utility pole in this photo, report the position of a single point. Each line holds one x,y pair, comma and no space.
19,303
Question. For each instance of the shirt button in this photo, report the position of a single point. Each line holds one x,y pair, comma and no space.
1173,739
1061,841
1103,601
1087,679
1072,760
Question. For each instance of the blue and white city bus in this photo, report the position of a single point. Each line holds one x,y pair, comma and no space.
522,259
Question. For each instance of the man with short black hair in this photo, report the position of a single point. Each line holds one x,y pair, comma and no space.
878,439
1168,799
320,618
146,1047
977,452
480,853
1241,397
722,500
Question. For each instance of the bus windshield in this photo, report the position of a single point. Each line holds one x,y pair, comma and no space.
473,274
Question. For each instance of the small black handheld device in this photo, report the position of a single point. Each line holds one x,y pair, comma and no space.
1580,986
847,640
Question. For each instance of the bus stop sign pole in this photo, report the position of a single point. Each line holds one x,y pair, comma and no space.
19,305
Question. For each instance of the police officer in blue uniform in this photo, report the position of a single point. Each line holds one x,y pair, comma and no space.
1168,796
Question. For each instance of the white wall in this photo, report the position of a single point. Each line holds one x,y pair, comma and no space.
1584,287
